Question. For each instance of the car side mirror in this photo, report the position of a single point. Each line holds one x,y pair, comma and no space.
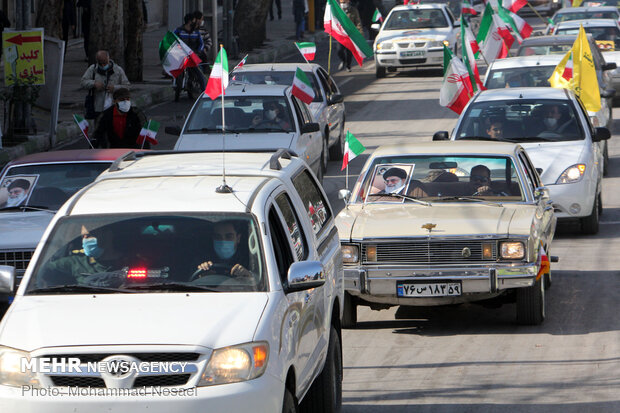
441,136
335,98
541,193
173,130
345,195
601,134
539,170
375,26
608,93
7,279
457,23
609,66
304,275
310,127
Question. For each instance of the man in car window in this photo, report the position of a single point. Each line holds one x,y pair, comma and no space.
480,181
273,117
555,121
18,192
495,129
228,257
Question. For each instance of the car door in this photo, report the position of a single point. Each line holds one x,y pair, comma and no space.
309,146
335,111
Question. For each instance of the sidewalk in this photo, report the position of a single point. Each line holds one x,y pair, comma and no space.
154,89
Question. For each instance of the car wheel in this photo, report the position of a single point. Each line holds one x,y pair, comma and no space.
548,281
325,395
600,204
589,224
349,313
337,150
380,72
288,405
605,160
531,303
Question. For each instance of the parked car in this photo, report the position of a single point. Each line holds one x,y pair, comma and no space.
248,127
53,178
467,222
238,287
564,151
581,13
413,36
328,104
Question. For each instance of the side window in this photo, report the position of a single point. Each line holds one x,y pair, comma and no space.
312,199
295,232
529,174
584,112
281,247
323,78
301,114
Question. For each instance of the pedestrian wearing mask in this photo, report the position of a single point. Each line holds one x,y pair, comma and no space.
353,14
119,126
102,79
205,35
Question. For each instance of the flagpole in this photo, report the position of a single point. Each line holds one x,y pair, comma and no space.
223,188
81,130
88,140
148,124
538,14
329,57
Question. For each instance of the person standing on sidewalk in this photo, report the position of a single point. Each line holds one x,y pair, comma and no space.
85,5
68,20
299,12
119,126
278,7
102,79
353,14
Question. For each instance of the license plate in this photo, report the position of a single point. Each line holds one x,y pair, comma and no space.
429,290
413,53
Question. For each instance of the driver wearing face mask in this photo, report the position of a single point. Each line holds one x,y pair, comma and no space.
228,257
119,126
273,117
18,192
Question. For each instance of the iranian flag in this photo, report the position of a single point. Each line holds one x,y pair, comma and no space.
467,8
352,148
148,133
514,5
518,25
302,88
545,265
377,17
218,80
241,63
469,58
82,124
568,68
340,27
494,36
456,88
175,55
307,49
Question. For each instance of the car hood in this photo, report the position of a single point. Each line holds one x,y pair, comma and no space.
23,230
211,320
415,34
406,220
235,141
554,157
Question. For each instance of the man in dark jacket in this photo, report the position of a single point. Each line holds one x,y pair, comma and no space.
119,126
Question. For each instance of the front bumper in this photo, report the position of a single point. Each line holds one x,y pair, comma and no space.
378,284
573,200
395,58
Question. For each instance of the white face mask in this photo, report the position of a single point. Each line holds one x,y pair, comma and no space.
17,200
270,114
124,105
394,189
551,122
344,6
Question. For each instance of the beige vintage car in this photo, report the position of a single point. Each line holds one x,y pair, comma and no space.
444,223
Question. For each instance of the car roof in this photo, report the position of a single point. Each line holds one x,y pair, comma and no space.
588,23
247,89
420,6
519,61
276,67
73,155
551,40
592,9
522,93
458,147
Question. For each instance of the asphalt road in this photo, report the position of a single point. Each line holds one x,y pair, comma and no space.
469,358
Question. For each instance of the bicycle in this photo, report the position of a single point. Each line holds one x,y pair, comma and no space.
192,80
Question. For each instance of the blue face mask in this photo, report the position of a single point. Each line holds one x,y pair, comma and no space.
91,249
224,249
106,67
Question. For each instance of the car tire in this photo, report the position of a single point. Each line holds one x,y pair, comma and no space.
336,152
349,311
548,281
600,204
531,303
605,160
589,224
325,394
379,71
288,405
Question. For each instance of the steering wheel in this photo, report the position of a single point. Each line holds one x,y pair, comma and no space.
226,268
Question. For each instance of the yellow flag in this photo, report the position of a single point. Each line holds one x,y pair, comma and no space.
583,82
577,3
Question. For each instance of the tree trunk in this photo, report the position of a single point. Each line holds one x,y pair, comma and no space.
106,30
49,16
250,19
134,27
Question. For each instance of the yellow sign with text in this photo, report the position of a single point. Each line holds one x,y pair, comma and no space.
23,56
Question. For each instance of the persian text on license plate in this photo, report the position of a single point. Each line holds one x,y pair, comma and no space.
413,53
429,289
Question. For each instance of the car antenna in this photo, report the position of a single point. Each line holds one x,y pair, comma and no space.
224,188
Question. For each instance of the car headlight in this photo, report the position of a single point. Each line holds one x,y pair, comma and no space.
13,372
572,174
384,46
236,363
435,43
512,250
350,254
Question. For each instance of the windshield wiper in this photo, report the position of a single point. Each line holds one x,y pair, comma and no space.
172,286
533,138
410,198
204,130
468,198
75,288
29,207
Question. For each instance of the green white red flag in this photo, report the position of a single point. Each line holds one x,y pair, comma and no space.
307,49
514,5
568,68
456,89
469,59
467,8
494,36
218,80
241,63
471,39
302,88
148,133
519,26
175,55
352,148
545,265
82,124
338,25
377,17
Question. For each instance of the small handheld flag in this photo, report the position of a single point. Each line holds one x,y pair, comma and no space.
175,55
302,88
83,125
241,63
307,49
377,17
352,148
148,133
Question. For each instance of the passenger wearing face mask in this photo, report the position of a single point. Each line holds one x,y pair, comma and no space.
18,192
555,122
102,79
119,126
228,259
273,117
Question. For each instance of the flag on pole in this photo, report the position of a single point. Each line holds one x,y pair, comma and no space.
469,38
514,5
148,133
302,88
241,63
175,55
456,89
218,80
340,27
577,3
519,26
469,58
467,8
352,148
576,71
82,124
494,36
377,17
307,49
545,265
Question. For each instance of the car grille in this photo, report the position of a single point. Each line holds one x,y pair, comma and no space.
162,381
18,259
67,381
403,45
433,252
411,61
419,44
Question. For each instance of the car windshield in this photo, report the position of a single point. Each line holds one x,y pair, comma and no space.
527,50
416,19
245,114
607,38
590,14
46,186
125,253
535,76
465,178
522,120
272,77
